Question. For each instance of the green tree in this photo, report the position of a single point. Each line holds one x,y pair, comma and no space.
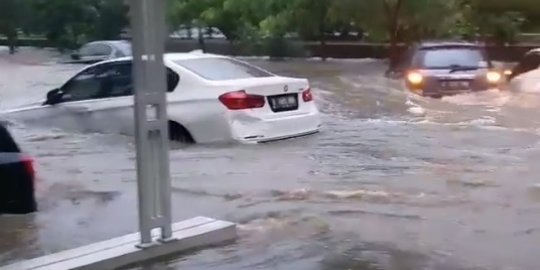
200,14
501,21
64,22
247,22
12,13
110,18
269,24
69,23
311,19
397,21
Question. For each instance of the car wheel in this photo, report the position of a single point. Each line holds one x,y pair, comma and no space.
179,133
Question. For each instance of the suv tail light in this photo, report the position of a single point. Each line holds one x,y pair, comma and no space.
29,166
240,100
307,95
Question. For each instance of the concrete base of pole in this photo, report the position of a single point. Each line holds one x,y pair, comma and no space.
122,251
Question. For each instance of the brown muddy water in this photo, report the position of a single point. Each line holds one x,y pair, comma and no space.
392,182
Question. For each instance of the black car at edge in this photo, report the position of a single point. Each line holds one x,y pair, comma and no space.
17,177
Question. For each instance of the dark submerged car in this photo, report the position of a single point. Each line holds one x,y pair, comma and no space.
436,69
16,177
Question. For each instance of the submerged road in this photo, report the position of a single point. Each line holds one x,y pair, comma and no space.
392,182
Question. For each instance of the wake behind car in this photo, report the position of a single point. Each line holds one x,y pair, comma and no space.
525,76
436,69
16,177
211,98
529,62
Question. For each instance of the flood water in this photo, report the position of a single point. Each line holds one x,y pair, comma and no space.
392,182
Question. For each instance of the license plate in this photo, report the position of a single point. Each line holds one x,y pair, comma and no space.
456,84
281,103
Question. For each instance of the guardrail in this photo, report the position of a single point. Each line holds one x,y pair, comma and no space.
332,49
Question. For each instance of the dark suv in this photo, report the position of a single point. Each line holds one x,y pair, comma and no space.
436,69
16,177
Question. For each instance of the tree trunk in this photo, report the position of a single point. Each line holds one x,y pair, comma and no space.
393,16
322,40
202,45
12,40
322,14
323,48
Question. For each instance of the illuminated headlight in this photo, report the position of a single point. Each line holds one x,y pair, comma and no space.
508,72
415,78
493,77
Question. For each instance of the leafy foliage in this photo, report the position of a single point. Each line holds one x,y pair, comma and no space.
268,23
67,23
12,19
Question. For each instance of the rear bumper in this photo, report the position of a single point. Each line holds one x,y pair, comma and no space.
16,190
434,89
256,130
439,93
436,92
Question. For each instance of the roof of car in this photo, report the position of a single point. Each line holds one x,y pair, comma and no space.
173,57
111,42
190,55
445,43
122,45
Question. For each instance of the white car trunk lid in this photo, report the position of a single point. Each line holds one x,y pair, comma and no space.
272,85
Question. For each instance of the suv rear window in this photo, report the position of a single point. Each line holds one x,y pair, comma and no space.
218,69
442,58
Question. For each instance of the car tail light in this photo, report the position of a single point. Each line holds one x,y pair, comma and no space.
29,166
307,95
240,100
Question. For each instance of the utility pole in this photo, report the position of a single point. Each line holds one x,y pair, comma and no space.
151,127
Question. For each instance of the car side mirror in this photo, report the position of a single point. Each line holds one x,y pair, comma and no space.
54,97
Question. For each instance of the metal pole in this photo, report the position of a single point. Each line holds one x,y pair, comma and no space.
151,123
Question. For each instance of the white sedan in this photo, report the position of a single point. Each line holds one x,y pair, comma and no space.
211,98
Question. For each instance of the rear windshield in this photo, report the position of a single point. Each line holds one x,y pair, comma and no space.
442,58
218,69
125,48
